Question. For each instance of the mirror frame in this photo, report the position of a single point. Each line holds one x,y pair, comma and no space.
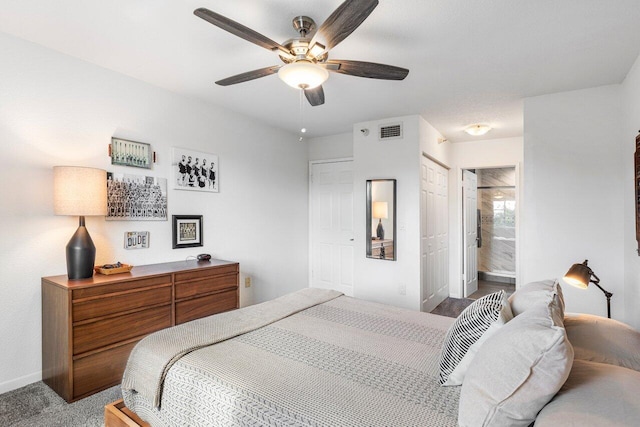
370,183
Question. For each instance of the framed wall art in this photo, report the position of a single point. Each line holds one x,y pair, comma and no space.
136,198
131,153
187,231
194,170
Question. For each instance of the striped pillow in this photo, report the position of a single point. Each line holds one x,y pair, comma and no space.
474,325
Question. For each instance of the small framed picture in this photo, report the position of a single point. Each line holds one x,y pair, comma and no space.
131,153
187,231
136,239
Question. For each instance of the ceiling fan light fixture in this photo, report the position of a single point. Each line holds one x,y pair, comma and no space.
477,129
303,75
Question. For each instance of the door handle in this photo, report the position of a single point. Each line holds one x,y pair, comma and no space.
351,240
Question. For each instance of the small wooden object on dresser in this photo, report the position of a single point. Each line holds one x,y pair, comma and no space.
89,326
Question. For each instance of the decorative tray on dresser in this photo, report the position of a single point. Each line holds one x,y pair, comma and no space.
89,326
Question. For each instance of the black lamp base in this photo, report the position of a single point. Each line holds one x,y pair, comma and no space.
380,230
81,254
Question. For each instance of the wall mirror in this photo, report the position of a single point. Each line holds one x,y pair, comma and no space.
381,219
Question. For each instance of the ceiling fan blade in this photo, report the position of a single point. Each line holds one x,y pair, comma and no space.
249,75
370,70
315,96
342,22
239,30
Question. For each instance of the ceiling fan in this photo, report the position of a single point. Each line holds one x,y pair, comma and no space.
306,58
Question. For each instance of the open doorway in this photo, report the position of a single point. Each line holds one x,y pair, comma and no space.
494,228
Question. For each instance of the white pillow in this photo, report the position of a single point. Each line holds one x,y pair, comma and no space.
516,371
534,293
475,324
595,394
599,339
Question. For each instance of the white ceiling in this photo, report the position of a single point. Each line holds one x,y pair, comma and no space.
470,60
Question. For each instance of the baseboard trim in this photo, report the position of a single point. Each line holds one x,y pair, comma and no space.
497,277
20,382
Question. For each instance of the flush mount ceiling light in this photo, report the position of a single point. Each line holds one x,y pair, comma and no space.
478,129
303,74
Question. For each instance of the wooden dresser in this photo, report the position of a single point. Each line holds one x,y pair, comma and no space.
89,326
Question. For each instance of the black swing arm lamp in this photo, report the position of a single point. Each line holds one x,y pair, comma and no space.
580,275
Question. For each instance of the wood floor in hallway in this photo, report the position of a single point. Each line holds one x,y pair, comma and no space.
486,287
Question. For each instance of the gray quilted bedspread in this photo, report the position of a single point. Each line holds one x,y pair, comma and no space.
343,362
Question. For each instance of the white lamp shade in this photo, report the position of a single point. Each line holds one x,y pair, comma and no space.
303,74
79,191
380,210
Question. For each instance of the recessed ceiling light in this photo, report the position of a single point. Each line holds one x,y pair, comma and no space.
477,130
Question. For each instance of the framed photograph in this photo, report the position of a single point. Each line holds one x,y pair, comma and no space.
136,198
187,231
131,153
136,239
194,170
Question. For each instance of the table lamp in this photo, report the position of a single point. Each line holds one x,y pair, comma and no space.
380,211
80,191
580,275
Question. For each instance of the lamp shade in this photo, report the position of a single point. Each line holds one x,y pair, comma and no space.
579,275
79,191
303,75
380,210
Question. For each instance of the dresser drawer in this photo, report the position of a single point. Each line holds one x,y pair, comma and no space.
113,304
206,306
206,272
100,370
120,287
206,285
90,336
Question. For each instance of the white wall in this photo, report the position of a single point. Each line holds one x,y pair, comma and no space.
469,155
378,280
56,110
573,193
631,125
331,147
398,159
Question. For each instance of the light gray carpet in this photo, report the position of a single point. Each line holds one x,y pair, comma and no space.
36,405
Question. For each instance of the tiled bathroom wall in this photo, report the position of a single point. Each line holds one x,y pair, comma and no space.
497,204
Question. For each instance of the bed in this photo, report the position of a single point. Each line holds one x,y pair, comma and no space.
319,358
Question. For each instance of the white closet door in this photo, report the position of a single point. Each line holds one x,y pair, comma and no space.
331,217
434,230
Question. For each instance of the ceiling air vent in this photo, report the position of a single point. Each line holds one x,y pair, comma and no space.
392,131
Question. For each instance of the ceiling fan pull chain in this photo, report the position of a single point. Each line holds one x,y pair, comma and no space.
302,128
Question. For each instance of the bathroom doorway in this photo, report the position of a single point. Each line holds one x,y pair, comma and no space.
496,230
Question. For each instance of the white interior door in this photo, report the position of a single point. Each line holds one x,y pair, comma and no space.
470,231
331,219
434,230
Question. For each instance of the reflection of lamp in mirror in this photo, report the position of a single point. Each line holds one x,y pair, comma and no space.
380,210
80,191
